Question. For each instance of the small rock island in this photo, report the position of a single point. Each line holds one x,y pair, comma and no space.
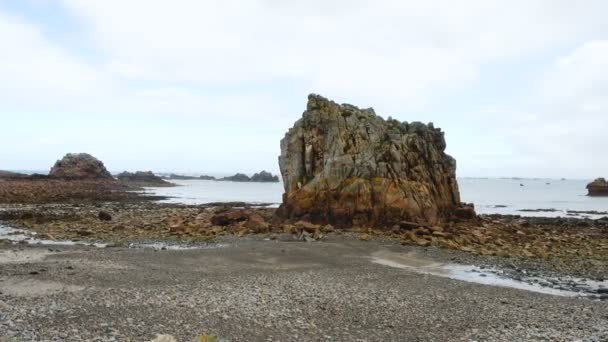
598,187
142,178
261,177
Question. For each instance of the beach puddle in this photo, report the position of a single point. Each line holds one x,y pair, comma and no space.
175,247
15,235
568,287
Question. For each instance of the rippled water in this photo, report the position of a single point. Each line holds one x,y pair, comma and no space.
509,196
498,196
206,191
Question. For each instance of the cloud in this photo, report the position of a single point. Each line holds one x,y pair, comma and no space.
393,52
221,64
564,133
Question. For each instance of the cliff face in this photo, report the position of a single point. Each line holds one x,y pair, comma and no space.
79,166
598,187
345,165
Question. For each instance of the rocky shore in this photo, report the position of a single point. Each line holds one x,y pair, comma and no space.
577,247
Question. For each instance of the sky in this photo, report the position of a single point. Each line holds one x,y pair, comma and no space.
519,87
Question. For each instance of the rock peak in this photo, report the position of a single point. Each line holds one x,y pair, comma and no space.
78,166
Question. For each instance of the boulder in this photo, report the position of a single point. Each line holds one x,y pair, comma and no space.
229,217
264,177
142,178
79,166
598,187
344,166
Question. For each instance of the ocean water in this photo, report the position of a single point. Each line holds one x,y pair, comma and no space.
206,191
510,196
490,195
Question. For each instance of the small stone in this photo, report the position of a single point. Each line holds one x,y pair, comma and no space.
104,216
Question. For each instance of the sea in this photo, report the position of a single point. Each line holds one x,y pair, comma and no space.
507,196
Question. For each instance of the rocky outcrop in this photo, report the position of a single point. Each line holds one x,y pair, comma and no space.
262,177
348,166
205,177
265,177
598,187
79,166
142,178
239,177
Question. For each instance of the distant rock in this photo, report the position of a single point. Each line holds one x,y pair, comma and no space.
142,178
205,177
80,166
12,175
239,177
264,177
347,166
180,177
598,187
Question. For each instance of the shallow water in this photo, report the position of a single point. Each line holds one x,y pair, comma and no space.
485,276
206,191
491,196
15,235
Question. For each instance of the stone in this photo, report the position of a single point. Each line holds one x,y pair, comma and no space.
265,176
104,216
79,166
142,178
598,187
343,165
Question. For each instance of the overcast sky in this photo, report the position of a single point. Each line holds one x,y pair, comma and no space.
520,87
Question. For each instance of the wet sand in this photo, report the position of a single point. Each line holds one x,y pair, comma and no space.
256,290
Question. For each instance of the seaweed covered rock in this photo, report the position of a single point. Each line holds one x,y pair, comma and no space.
346,166
598,187
80,166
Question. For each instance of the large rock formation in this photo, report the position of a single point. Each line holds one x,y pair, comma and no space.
598,187
344,165
79,166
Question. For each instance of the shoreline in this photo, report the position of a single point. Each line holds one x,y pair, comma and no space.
173,226
84,251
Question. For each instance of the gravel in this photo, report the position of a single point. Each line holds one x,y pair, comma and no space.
253,290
